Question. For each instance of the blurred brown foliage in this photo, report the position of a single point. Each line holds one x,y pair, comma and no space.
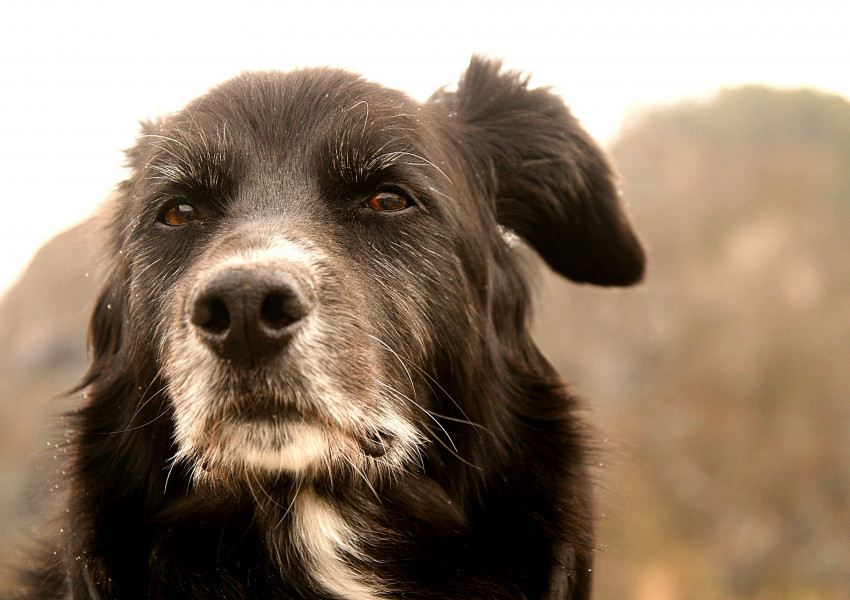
719,387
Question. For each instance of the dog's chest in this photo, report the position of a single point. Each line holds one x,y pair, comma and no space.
299,549
328,544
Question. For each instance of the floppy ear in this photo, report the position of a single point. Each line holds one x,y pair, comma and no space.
106,327
549,180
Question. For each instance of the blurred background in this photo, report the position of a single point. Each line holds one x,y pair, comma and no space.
720,387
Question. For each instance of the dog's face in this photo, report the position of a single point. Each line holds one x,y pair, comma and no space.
302,258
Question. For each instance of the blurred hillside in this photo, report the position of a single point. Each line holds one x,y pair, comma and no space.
720,387
725,379
43,321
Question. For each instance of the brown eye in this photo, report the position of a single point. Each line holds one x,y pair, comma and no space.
387,201
177,215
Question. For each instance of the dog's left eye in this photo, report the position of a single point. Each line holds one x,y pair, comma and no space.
179,214
388,202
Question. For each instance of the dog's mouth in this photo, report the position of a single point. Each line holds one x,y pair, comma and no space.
260,412
296,420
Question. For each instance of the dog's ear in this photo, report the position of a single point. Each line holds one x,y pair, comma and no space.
106,327
549,180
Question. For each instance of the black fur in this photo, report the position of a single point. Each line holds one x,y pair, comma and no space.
418,317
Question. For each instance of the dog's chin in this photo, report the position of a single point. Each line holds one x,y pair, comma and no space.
232,452
273,447
264,448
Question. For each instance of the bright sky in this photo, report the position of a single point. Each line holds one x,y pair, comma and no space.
77,76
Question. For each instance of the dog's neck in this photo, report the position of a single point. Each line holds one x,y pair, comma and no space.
330,546
344,540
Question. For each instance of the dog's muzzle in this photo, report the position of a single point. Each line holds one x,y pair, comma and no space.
250,313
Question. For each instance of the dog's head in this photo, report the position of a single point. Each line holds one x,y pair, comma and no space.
307,264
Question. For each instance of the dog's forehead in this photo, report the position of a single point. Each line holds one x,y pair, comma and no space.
283,122
291,110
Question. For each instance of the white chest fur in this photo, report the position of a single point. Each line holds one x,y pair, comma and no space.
325,540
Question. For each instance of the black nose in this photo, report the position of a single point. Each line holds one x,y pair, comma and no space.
249,313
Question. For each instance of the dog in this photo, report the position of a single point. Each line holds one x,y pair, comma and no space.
311,373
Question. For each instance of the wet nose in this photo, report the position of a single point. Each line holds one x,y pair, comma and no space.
247,314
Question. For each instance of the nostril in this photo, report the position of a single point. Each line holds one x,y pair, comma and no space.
273,312
210,313
279,310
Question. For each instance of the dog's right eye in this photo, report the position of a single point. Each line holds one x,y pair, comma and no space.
178,214
388,202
